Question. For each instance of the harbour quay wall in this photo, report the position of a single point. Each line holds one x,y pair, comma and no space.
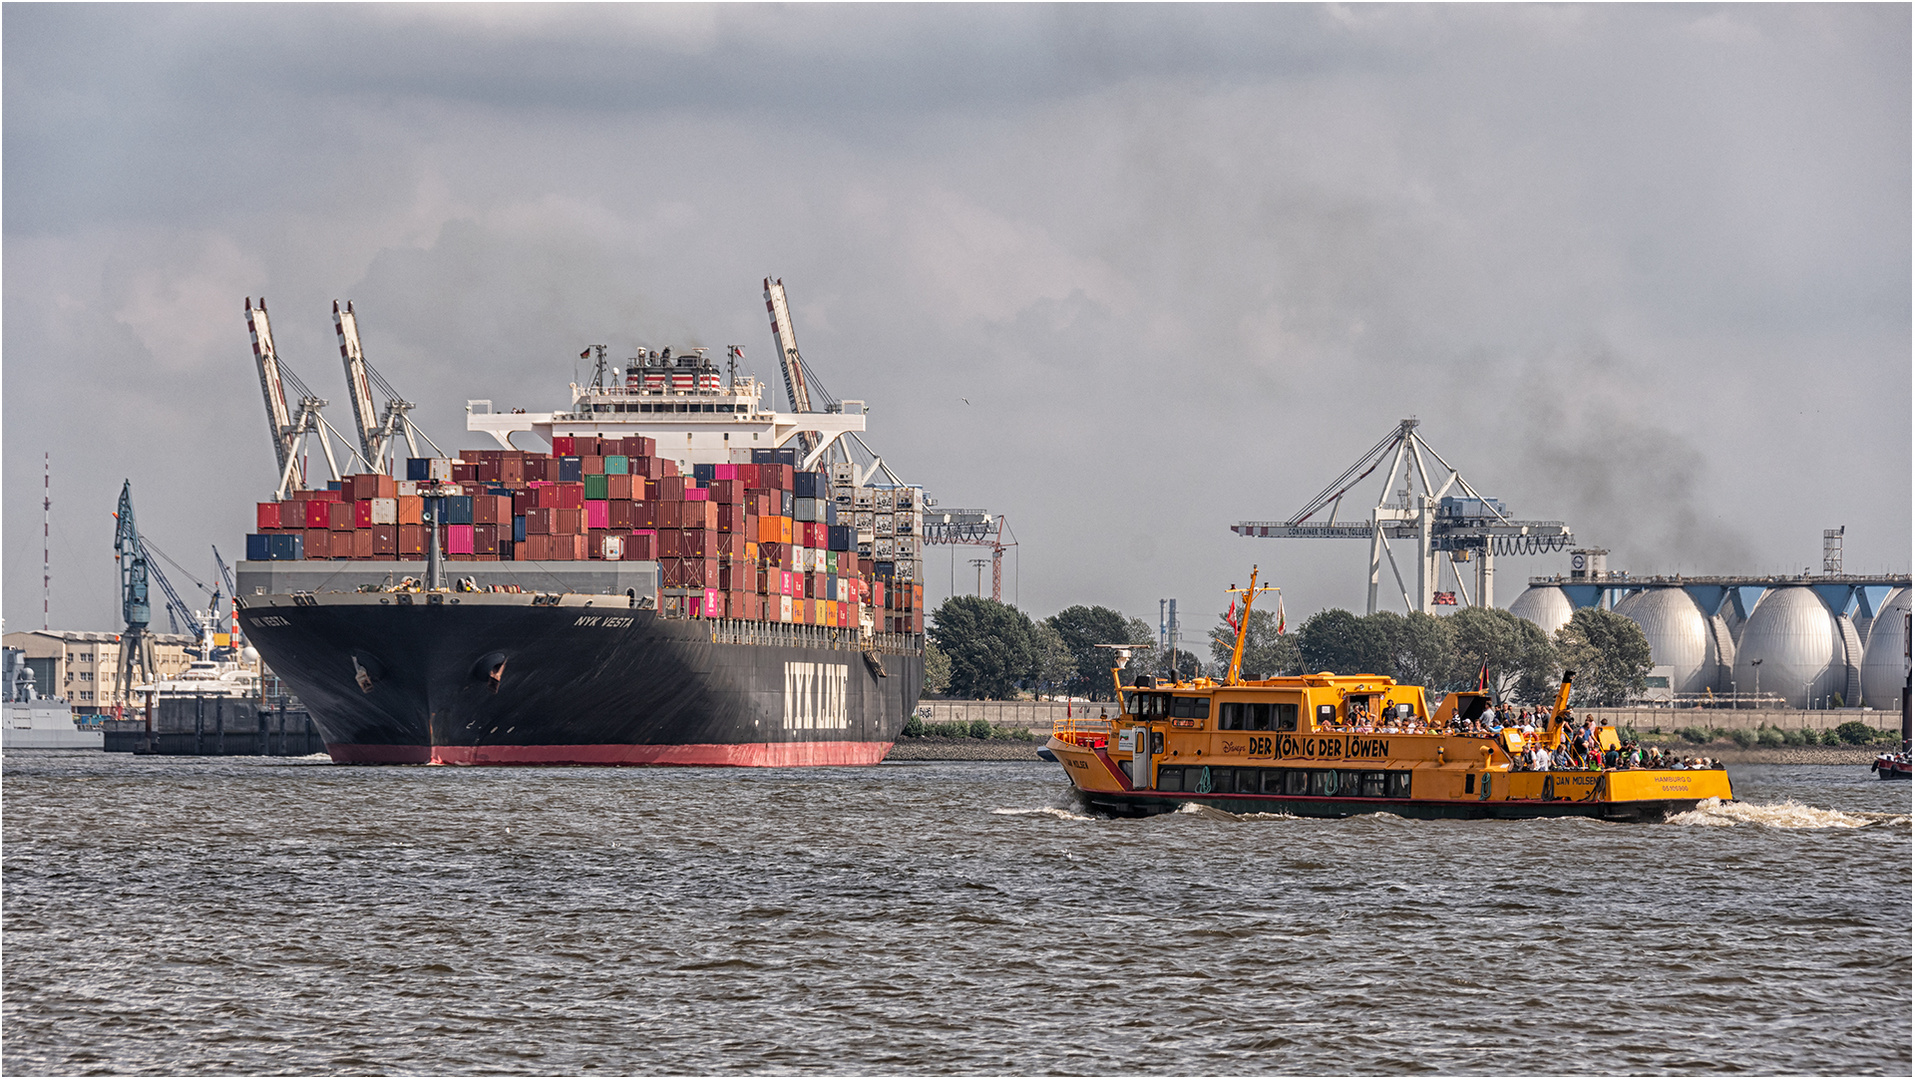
218,727
1040,715
1642,719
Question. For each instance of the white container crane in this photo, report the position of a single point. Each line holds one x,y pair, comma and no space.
376,432
288,429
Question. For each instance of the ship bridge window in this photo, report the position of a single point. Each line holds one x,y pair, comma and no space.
1197,708
1147,706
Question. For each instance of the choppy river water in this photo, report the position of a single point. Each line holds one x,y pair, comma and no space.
266,916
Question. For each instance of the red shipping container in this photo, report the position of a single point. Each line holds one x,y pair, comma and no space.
292,515
775,477
316,516
339,515
598,514
570,548
486,471
412,540
670,489
485,539
267,516
645,515
728,492
385,539
731,518
619,515
524,501
562,445
538,520
491,509
697,543
642,546
691,573
568,522
592,464
464,472
362,514
618,486
374,486
511,471
571,496
358,547
318,544
698,515
458,540
666,467
548,495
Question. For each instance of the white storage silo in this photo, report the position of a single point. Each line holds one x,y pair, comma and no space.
1799,646
1679,636
1546,606
1882,659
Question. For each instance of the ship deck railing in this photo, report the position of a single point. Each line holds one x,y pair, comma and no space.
1080,731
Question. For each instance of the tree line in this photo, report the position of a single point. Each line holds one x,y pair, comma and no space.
980,648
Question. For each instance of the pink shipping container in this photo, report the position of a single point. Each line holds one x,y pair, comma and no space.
724,472
697,494
458,540
598,514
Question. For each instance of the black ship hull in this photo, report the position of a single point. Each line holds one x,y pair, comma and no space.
516,679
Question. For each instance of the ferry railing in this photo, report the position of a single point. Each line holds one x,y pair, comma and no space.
1080,731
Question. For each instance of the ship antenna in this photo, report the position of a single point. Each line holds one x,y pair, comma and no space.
1243,625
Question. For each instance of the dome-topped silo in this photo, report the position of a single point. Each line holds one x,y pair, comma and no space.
1882,659
1679,636
1545,605
1798,645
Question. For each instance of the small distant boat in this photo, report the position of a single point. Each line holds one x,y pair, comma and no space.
1892,766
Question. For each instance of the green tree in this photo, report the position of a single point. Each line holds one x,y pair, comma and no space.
1055,664
1608,653
1422,649
1082,630
1265,652
1520,657
1336,641
992,647
937,669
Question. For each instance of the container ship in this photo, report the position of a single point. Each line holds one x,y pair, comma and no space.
685,577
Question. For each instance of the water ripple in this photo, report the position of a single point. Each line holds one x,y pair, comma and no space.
271,916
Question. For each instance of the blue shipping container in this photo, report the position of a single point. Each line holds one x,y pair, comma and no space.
571,470
418,468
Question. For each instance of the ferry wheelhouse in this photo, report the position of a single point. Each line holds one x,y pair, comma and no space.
1328,745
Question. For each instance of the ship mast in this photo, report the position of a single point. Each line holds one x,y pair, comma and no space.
1243,625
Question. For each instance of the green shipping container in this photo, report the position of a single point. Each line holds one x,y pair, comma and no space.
617,465
595,486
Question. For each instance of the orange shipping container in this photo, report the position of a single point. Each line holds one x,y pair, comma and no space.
411,510
339,515
412,539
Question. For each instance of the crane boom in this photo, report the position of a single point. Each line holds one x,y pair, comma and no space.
365,418
272,382
788,359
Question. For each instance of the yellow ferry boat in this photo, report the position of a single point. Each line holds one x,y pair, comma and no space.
1329,745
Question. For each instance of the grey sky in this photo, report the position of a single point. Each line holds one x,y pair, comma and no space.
1644,269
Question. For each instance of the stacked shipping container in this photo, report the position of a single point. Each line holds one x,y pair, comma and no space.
760,540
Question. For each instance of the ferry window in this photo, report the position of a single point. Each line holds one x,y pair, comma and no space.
1286,716
1152,706
1373,785
1230,716
1469,783
1259,718
1248,779
1170,778
1326,716
1273,781
1296,782
1323,781
1399,785
1192,708
1223,780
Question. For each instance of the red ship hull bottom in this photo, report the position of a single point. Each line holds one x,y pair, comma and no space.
762,755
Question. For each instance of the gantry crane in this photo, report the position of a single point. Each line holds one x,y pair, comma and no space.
789,360
1413,507
288,429
376,432
976,528
136,642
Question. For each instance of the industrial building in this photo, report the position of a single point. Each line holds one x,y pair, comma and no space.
1804,641
81,665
